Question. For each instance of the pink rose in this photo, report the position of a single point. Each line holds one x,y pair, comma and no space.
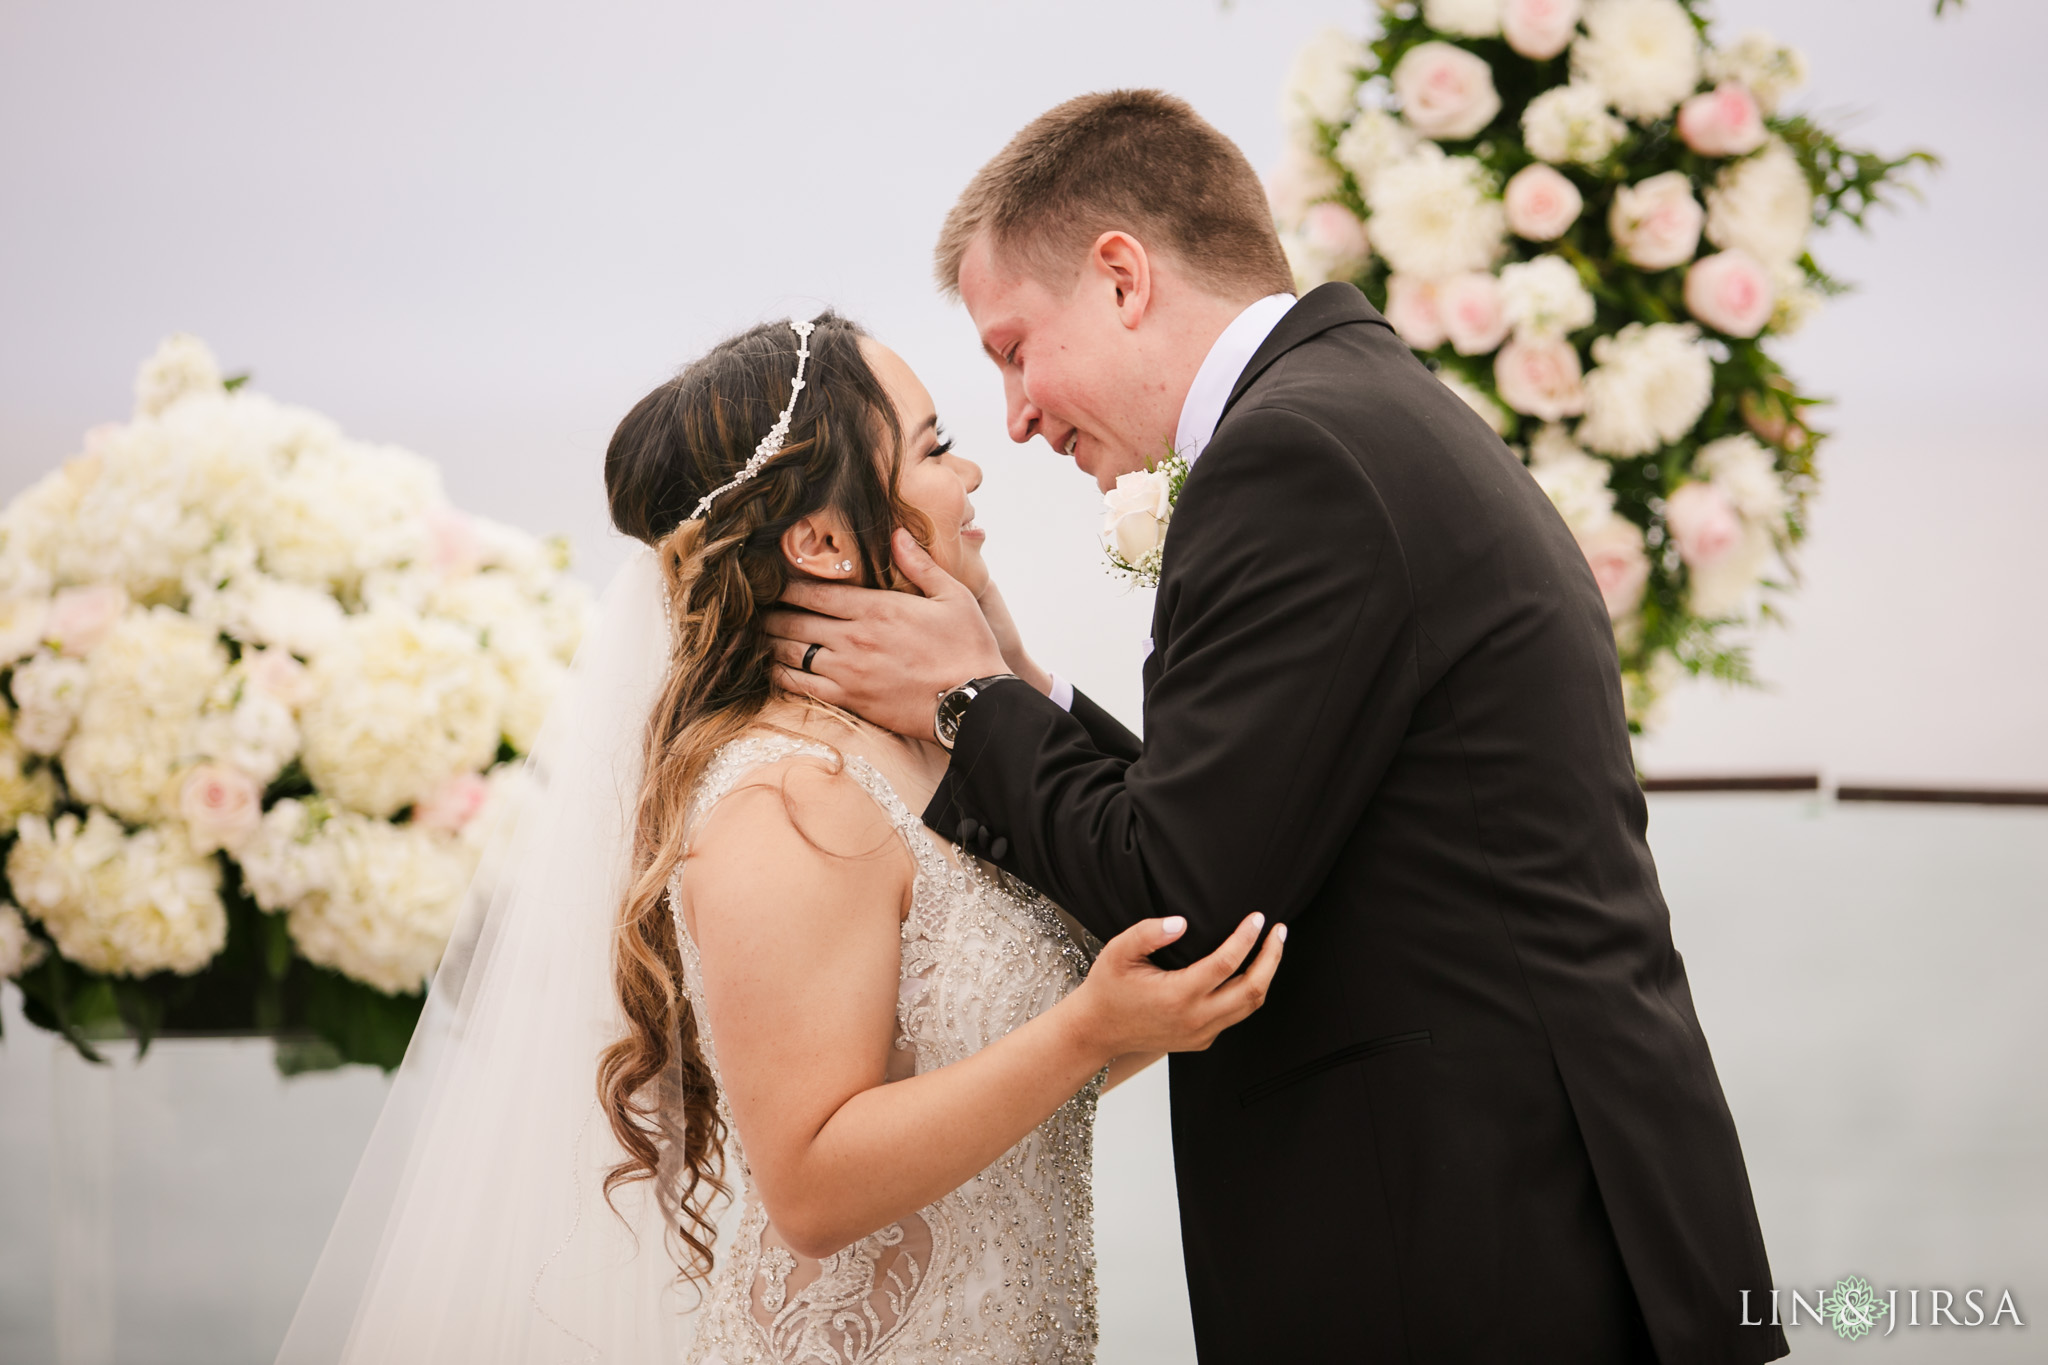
1473,316
1541,203
1446,92
1540,377
81,617
1335,235
221,806
1614,550
1704,524
1730,292
453,804
1539,29
1298,181
1412,311
1656,223
1725,121
452,542
275,673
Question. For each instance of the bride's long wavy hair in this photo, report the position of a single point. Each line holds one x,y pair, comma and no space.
692,434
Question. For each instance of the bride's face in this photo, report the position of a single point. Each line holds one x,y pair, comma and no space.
934,480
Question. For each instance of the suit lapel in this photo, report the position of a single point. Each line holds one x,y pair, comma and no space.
1329,305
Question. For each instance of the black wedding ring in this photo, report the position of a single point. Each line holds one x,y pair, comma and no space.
809,655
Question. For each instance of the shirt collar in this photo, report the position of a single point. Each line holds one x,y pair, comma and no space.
1232,351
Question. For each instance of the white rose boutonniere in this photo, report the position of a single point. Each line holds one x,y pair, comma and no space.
1135,516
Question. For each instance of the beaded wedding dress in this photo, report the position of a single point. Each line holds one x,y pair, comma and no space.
1002,1269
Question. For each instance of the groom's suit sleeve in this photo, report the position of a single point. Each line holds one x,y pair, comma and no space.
1283,680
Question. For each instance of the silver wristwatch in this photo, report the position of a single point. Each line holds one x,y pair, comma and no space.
953,704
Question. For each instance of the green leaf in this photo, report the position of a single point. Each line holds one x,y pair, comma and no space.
235,381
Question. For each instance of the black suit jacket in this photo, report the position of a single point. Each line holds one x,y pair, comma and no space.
1476,1119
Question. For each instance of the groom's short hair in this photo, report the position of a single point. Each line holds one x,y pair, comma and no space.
1137,161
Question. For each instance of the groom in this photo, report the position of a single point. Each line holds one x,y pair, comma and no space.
1477,1120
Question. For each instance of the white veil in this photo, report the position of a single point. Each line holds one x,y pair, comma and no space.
476,1229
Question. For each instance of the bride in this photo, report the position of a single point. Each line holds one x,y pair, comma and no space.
731,1060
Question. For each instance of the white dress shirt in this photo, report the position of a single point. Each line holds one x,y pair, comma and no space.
1202,409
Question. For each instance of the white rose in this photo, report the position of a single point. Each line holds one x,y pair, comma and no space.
1474,398
1539,29
1730,292
1433,216
1571,123
1375,141
1542,203
1762,205
21,626
1136,513
1651,383
19,950
1412,311
1645,54
1446,92
1759,64
182,365
1540,377
221,806
1302,178
1465,18
81,617
1329,245
1322,87
1544,297
403,704
1473,318
1749,475
1656,222
1725,121
125,905
50,692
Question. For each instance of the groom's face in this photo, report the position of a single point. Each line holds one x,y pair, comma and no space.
1074,371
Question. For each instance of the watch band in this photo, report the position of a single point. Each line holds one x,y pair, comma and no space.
951,707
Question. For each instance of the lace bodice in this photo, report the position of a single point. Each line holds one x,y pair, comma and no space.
1003,1268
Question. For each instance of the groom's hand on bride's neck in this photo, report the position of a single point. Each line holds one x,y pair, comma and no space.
886,656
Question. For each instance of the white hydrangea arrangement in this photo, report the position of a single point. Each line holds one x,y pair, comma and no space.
261,691
1591,221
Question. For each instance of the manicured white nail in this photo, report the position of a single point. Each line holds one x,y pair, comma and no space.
1281,933
1258,920
1173,924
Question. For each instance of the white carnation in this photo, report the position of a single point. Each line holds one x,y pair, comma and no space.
227,591
372,900
1571,124
1757,61
1435,215
1465,18
1544,297
247,727
1763,205
1644,54
337,514
1576,484
1322,86
19,949
403,704
146,687
1375,141
1749,475
1473,397
125,905
183,364
50,690
1651,384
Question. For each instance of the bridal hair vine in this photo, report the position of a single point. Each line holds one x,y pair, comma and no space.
771,444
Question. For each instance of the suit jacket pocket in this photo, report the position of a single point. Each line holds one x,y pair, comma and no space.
1354,1052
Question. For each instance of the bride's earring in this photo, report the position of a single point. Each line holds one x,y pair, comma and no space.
799,559
846,566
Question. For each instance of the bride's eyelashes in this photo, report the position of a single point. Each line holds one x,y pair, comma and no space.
944,446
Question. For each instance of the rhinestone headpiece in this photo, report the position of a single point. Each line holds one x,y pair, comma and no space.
771,444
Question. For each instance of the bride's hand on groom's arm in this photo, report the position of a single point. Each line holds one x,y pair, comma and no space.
1129,1005
886,655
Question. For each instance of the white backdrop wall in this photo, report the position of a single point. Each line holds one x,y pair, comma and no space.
483,230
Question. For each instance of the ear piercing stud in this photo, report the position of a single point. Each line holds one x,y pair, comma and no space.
846,566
